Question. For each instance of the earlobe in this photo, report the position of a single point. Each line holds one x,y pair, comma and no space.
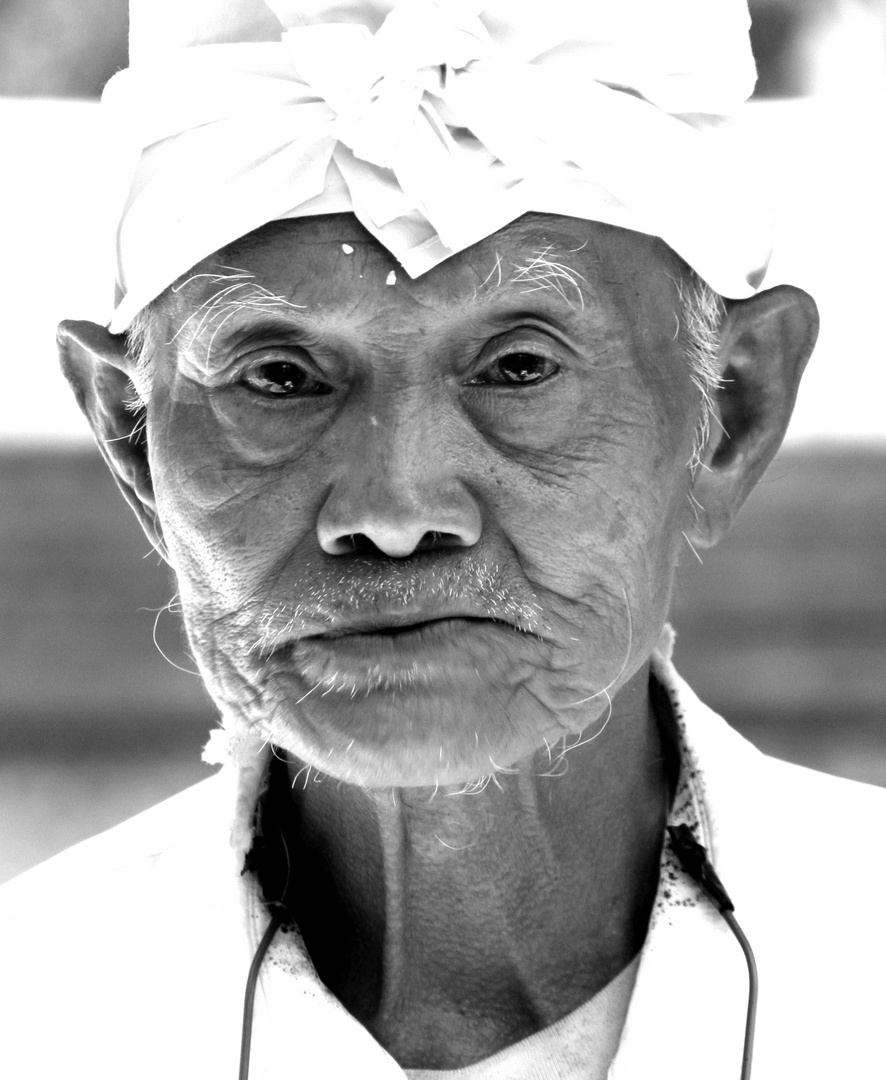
765,342
98,369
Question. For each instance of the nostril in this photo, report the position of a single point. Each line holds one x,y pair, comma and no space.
351,544
437,539
360,544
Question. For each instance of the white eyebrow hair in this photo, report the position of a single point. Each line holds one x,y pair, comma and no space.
495,272
545,269
544,272
238,291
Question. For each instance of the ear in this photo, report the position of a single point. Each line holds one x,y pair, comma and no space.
98,368
765,342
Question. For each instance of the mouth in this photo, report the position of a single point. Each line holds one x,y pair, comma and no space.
386,653
399,628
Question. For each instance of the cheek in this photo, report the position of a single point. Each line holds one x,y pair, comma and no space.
598,533
620,512
227,521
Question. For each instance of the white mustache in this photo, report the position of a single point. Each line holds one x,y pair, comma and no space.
366,591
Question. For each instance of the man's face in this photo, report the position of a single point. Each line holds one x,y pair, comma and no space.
423,528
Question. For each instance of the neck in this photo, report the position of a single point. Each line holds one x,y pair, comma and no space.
453,924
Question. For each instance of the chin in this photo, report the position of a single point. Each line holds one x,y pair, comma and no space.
405,738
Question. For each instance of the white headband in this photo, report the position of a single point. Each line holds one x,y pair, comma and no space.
436,122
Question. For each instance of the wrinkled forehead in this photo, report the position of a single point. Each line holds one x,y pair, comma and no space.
330,261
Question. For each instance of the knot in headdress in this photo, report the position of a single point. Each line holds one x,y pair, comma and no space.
377,84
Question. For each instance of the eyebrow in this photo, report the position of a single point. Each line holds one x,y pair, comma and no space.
242,292
545,269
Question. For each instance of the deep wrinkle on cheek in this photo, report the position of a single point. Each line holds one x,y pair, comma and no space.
224,542
621,512
200,481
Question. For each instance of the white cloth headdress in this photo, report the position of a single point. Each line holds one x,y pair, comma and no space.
436,122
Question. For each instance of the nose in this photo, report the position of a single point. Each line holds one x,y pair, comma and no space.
396,492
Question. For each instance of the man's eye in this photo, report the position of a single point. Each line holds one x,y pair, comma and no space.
518,369
280,378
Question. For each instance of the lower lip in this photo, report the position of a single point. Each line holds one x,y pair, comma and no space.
415,655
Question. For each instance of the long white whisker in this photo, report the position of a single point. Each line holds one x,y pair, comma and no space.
692,548
178,667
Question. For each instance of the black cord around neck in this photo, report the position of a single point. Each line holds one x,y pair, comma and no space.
269,861
276,922
694,860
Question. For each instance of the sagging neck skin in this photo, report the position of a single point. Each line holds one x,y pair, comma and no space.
452,925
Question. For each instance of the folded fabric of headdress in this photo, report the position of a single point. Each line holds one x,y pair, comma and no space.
436,122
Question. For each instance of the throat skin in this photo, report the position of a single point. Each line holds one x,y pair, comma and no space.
453,925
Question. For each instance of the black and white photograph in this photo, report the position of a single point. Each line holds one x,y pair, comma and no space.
443,540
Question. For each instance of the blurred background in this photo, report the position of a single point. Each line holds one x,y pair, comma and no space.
783,627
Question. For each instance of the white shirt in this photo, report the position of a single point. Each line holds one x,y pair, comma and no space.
127,955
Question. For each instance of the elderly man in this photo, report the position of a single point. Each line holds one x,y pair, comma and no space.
421,381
